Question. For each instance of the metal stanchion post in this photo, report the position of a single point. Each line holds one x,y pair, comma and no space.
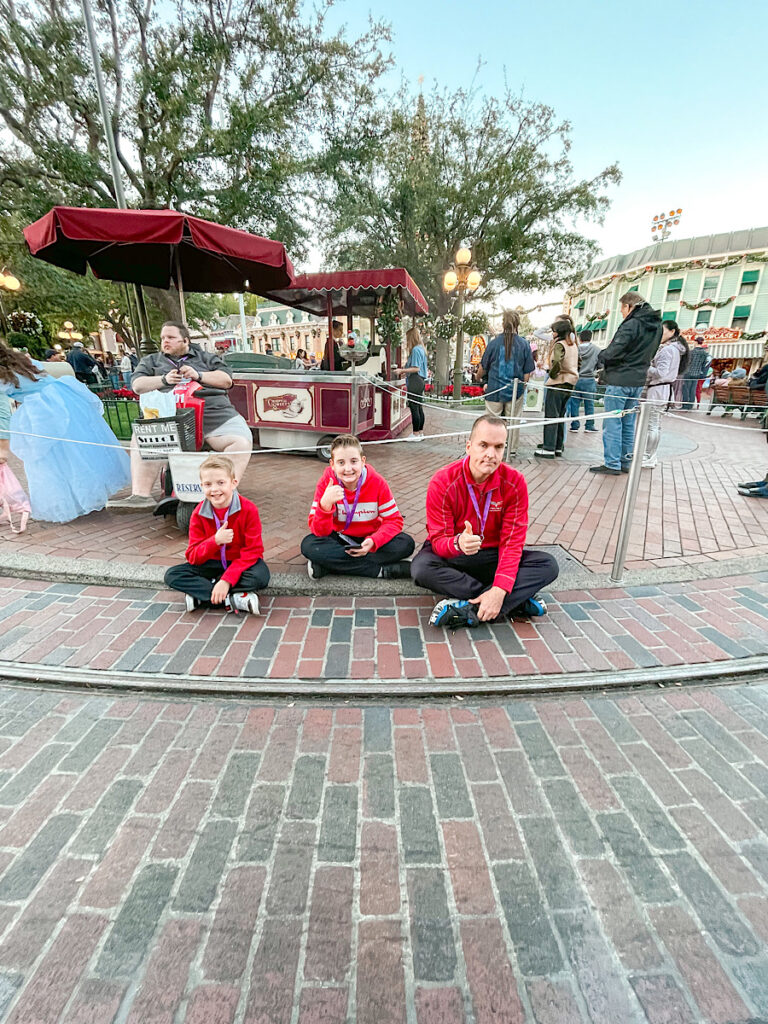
513,420
627,512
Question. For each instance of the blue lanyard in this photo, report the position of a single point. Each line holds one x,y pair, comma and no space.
350,509
220,526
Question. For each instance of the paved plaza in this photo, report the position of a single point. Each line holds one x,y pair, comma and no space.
552,861
688,510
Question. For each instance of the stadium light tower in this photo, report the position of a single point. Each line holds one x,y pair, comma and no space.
661,226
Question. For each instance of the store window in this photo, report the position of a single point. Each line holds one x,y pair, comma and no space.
749,281
703,317
709,291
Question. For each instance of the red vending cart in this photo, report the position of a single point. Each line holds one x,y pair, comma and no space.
295,408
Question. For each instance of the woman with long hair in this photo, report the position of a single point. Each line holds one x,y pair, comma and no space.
563,374
415,372
667,365
507,364
66,479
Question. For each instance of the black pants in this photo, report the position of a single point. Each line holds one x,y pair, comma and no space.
198,580
417,412
471,575
555,400
330,553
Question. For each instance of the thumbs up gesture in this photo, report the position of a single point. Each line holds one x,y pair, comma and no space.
469,542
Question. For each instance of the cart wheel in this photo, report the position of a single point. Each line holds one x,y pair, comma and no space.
184,512
323,450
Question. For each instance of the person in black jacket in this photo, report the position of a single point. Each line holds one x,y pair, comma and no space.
624,364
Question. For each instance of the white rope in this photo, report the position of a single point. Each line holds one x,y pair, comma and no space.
722,426
313,447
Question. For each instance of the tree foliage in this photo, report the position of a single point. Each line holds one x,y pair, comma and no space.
454,169
222,109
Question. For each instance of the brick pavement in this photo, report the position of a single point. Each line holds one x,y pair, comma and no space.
367,639
547,861
688,509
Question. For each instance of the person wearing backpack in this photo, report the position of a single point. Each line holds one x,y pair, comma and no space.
507,364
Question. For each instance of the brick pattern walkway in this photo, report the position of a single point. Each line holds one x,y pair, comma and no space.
380,638
551,862
688,510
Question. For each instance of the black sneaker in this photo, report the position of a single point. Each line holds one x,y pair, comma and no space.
606,470
752,485
543,453
396,571
533,608
191,603
453,614
315,571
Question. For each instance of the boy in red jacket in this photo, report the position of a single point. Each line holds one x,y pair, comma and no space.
355,522
477,516
224,558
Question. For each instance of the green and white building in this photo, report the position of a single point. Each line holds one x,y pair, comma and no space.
715,285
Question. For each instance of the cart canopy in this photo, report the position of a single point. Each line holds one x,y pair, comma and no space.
352,292
156,247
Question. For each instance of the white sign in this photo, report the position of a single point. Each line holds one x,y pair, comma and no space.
283,405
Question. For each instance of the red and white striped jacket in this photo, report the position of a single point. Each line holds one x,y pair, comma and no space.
376,516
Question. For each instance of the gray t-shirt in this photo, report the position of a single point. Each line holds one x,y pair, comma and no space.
218,408
588,354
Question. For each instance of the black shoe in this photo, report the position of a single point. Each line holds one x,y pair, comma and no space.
574,430
453,614
625,469
533,608
396,571
558,454
753,484
543,453
592,430
606,470
316,571
754,492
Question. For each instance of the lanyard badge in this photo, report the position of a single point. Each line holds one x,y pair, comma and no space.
220,525
350,509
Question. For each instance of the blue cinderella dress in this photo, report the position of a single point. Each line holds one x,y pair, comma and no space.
65,480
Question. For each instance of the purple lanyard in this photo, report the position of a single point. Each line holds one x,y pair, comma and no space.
350,509
220,526
480,518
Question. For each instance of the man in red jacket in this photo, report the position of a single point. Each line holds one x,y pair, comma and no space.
224,558
477,516
355,522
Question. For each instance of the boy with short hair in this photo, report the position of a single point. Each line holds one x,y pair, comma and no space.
355,522
224,557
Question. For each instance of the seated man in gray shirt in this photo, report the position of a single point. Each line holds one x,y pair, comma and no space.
224,429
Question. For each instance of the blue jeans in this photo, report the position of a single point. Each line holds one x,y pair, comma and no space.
619,433
585,390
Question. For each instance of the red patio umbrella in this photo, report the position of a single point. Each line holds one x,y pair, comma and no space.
155,247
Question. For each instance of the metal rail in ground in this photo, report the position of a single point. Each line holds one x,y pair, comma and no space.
742,670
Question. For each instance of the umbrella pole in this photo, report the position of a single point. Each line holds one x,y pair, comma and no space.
180,284
331,344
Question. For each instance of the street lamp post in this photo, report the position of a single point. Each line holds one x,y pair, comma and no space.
69,333
663,224
10,283
460,279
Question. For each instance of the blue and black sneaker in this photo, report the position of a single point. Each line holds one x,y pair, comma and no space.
533,608
453,614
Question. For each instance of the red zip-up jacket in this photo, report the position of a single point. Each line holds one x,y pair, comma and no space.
245,548
376,516
449,506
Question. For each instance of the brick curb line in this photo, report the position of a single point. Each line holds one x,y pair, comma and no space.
742,670
95,572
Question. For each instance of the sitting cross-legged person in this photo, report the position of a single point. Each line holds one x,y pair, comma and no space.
477,517
355,522
225,564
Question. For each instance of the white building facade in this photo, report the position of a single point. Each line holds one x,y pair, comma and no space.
714,285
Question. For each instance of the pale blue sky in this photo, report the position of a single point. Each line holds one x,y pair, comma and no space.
676,92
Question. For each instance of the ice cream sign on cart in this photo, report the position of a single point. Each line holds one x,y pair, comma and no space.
284,405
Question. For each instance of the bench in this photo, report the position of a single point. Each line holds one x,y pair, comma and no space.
738,396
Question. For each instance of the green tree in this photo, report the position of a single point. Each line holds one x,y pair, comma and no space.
226,110
457,169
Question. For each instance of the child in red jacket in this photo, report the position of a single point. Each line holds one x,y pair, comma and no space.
355,522
224,558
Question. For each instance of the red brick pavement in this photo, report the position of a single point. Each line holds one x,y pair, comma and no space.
388,638
688,510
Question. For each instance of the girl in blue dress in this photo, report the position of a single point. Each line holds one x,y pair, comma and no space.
65,480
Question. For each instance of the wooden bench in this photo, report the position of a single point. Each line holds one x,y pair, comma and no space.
747,400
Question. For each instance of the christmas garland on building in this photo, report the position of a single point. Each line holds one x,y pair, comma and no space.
754,337
668,268
706,302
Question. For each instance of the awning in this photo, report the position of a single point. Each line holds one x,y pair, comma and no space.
750,276
742,311
736,350
669,316
675,285
352,291
579,304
